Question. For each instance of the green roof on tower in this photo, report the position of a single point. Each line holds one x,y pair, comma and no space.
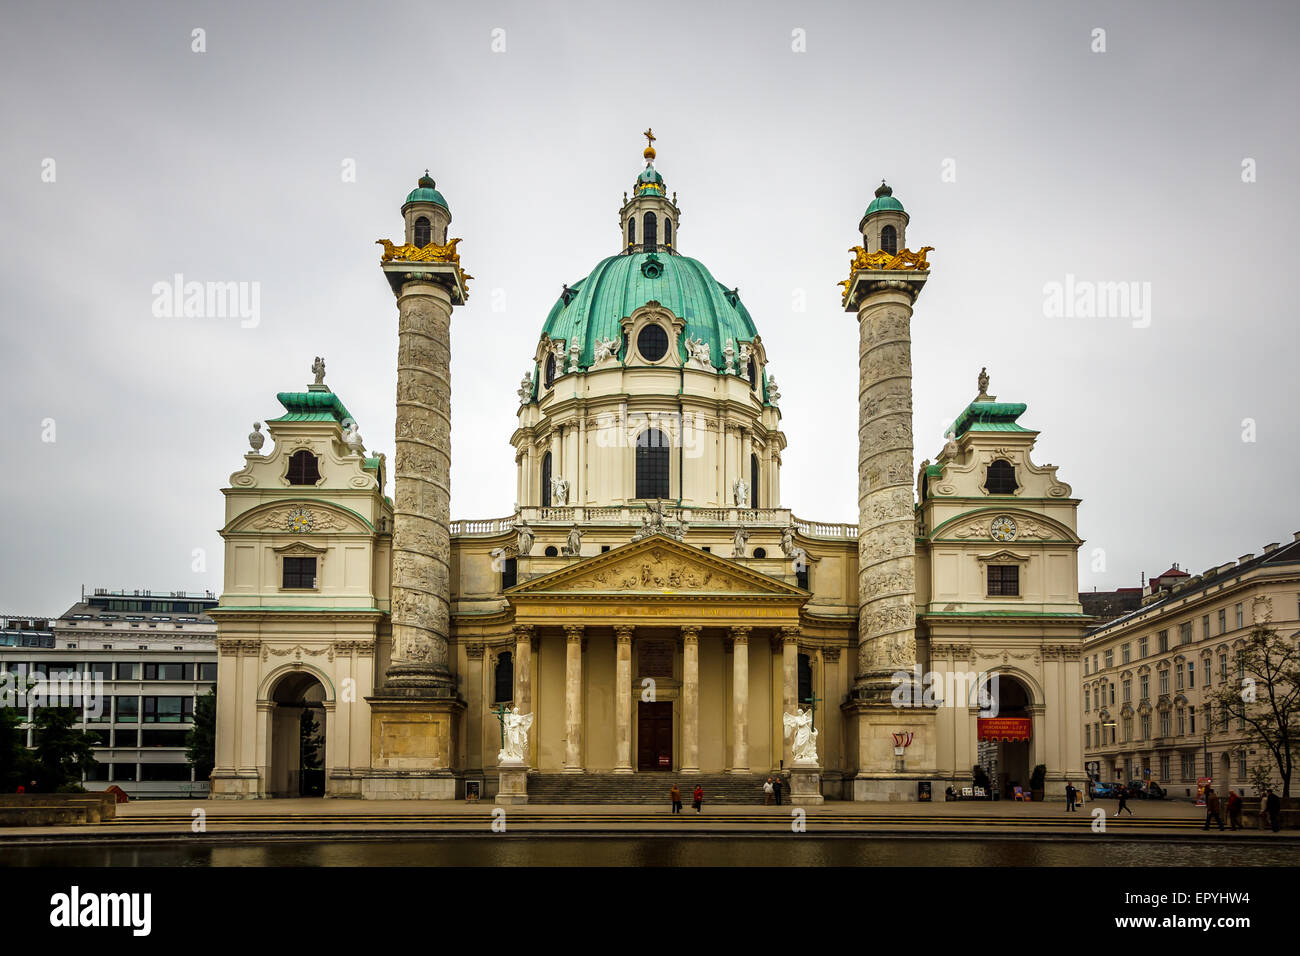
986,416
424,192
884,200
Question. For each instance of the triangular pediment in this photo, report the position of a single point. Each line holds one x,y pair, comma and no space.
656,565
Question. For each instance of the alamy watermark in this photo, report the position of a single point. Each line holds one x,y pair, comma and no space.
67,689
946,689
179,299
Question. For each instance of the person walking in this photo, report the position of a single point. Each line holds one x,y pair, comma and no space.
676,794
1070,796
1212,808
776,788
698,797
1234,810
767,792
1123,802
1274,805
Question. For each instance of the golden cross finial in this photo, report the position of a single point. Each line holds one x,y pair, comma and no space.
649,137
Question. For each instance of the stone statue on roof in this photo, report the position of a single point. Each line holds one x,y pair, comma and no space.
318,369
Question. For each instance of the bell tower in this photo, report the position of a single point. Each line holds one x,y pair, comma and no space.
649,219
881,289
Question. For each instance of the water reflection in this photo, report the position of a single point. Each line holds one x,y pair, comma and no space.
540,850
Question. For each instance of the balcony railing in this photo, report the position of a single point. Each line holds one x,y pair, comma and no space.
631,515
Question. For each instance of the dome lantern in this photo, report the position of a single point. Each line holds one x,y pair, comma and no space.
649,219
426,213
884,224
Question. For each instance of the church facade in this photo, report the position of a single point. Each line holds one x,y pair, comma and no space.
651,601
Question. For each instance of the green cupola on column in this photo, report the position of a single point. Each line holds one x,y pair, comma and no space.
884,224
426,213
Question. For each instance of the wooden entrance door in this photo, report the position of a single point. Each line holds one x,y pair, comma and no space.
654,735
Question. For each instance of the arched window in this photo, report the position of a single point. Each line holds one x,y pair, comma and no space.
550,370
889,240
753,374
805,680
546,480
668,232
504,678
303,468
423,232
631,231
651,232
753,481
652,454
1001,478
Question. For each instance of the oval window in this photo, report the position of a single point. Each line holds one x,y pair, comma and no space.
652,343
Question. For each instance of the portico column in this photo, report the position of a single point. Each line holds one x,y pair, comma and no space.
573,699
523,667
789,681
740,700
690,699
623,699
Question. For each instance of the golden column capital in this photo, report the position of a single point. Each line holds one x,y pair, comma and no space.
690,633
522,631
573,632
623,633
740,633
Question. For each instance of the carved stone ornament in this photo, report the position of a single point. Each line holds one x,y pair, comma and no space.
729,354
604,350
573,543
525,390
256,439
657,572
745,354
804,747
773,392
559,492
515,728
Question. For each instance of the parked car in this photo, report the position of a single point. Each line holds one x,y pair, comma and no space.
1146,790
1105,791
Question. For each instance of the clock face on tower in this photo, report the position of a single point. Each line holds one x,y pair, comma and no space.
300,519
1003,528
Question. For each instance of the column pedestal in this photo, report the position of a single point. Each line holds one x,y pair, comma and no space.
512,786
412,749
806,786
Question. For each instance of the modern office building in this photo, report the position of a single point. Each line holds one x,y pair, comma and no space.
133,663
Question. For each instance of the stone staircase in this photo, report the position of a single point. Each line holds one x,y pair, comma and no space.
646,789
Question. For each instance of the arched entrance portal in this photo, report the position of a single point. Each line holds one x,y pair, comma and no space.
1004,739
297,764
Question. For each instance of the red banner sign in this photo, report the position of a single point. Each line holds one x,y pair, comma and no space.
1005,728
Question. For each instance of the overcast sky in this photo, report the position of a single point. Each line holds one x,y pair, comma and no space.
1023,152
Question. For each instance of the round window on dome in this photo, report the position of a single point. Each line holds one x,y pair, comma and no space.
652,343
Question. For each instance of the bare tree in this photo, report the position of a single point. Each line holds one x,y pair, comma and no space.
1266,696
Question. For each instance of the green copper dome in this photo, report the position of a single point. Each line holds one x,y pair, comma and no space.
649,181
594,307
424,192
884,200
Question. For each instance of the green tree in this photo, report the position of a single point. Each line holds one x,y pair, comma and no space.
63,753
311,741
17,764
201,741
1266,696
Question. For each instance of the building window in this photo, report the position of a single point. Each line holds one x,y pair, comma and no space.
805,679
1144,687
652,454
1191,719
1094,663
1205,627
548,372
1164,723
551,551
1164,682
631,231
1001,478
1110,659
299,573
753,375
1241,765
168,710
668,232
1185,633
753,481
1087,735
1086,698
1182,722
1223,620
1128,731
207,672
1205,671
1241,665
423,232
1145,724
1189,767
1142,647
1191,674
651,232
1239,618
1112,695
1164,767
546,480
1162,641
1124,654
889,240
652,343
801,577
168,672
1179,678
1223,668
303,468
510,573
1004,579
504,678
1128,690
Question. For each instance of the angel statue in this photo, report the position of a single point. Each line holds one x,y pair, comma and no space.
740,493
699,350
559,492
603,349
514,726
523,538
804,747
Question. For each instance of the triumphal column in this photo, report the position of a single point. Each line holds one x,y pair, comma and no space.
884,281
416,712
